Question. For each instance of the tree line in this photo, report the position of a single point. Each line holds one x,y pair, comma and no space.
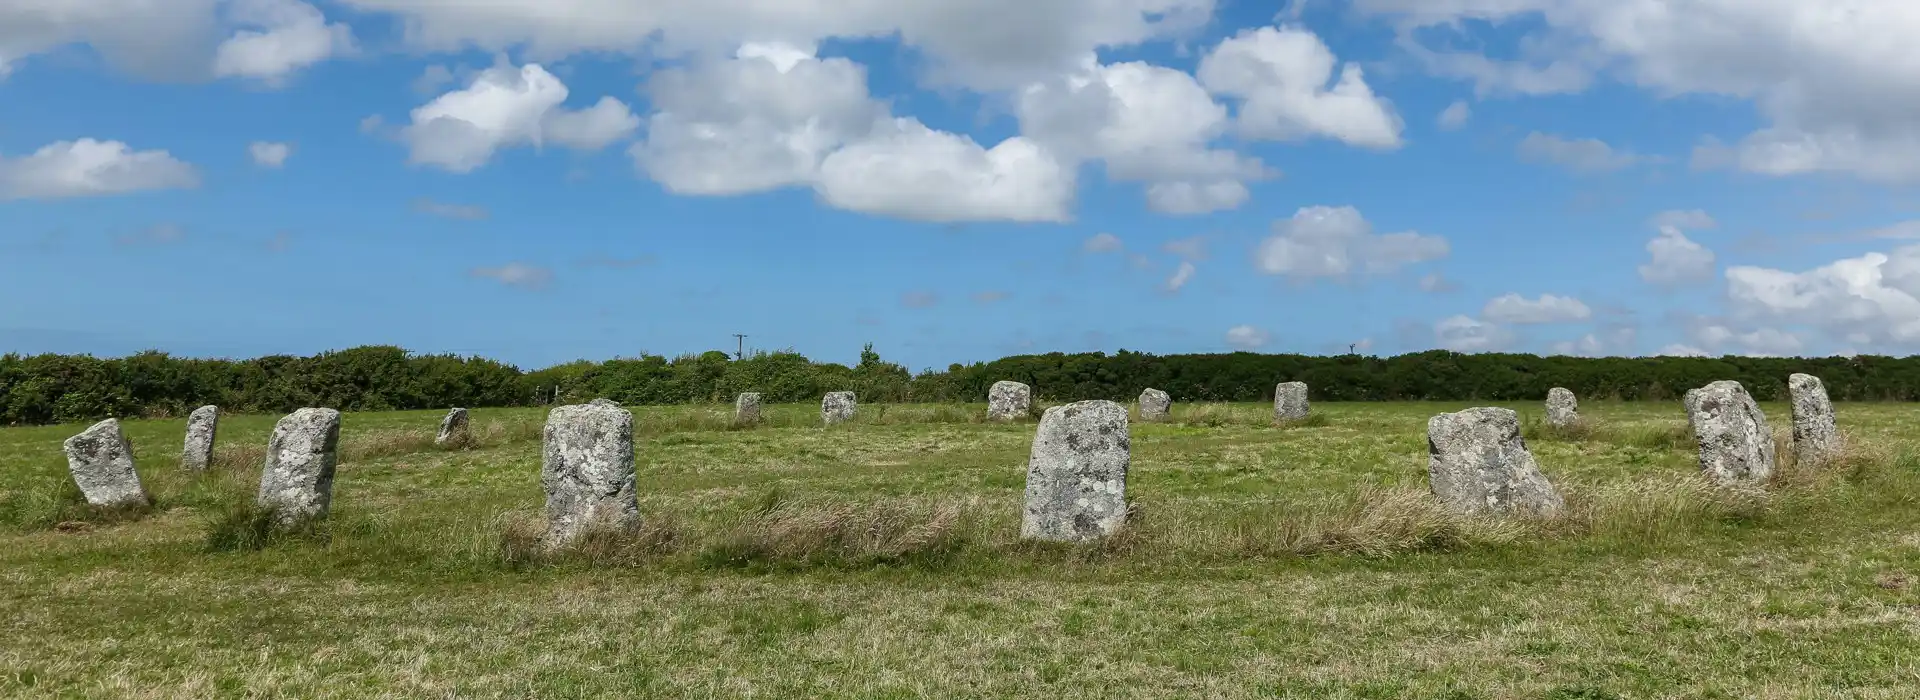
40,389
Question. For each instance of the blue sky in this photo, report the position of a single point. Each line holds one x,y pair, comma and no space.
958,180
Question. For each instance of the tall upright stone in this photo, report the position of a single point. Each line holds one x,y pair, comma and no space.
837,407
1077,473
587,471
101,461
1735,443
746,408
297,481
454,429
202,425
1009,401
1290,401
1563,410
1478,464
1154,405
1815,437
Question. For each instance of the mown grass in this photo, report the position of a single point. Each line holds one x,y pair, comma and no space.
881,559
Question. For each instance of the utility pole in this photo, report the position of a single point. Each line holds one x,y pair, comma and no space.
741,352
1351,346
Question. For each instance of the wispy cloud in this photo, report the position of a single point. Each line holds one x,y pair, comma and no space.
521,275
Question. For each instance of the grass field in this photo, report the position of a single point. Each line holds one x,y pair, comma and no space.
881,559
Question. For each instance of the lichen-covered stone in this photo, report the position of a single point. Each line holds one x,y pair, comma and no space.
746,408
1735,443
837,407
587,471
202,426
1815,437
1290,401
604,402
453,428
297,481
1009,401
1563,410
1154,405
1477,463
101,461
1077,473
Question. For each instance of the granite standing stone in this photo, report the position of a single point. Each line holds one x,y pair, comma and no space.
746,408
1563,410
1735,443
587,472
837,407
1290,401
1815,437
453,428
202,425
1009,401
1478,464
101,461
297,481
604,402
1077,473
1154,405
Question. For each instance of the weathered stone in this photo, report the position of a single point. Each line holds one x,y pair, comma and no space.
604,402
1478,464
101,461
1290,401
1077,473
837,407
1563,410
1154,404
297,481
1815,437
202,425
453,428
1735,443
587,471
746,408
1009,401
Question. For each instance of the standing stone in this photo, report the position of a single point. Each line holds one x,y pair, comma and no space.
587,471
1735,443
101,461
604,402
1009,401
1478,464
297,482
202,424
1154,404
837,407
746,408
1815,437
1290,401
1077,473
1563,410
453,429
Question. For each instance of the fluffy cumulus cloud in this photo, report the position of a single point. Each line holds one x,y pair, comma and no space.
505,107
264,40
909,171
1870,301
1519,310
87,167
1245,337
1338,242
1673,258
1468,334
1577,155
276,38
1285,81
269,154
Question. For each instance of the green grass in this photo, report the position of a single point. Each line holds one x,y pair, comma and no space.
881,559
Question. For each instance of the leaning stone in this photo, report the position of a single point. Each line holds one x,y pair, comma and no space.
453,428
587,471
837,407
1154,404
1735,443
297,481
1077,473
1563,410
604,402
1009,401
1478,464
1815,437
202,425
746,408
101,461
1290,401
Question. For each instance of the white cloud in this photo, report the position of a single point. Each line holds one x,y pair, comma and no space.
1196,198
1436,283
1578,155
1181,276
1337,242
912,172
1684,219
87,167
1588,345
1681,350
1102,243
268,154
1676,260
157,40
1613,341
1454,116
1246,337
1281,77
505,107
1760,342
1467,334
1871,300
278,38
516,274
1519,310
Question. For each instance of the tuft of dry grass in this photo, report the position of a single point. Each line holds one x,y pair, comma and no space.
1374,522
520,544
